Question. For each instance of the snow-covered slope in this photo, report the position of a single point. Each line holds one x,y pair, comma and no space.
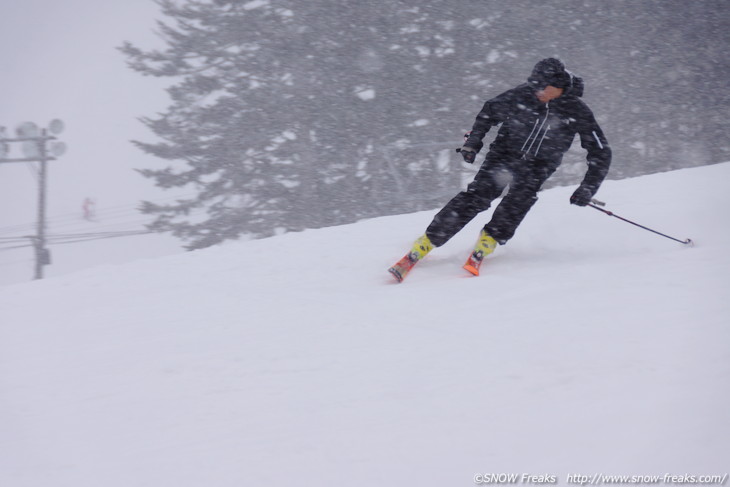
587,346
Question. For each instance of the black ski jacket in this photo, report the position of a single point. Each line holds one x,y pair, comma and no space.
536,132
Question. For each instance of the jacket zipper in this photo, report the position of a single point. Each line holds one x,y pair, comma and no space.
543,138
531,132
537,134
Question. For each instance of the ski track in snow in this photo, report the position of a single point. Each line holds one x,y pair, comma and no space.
586,346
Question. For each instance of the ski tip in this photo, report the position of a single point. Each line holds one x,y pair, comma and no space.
689,242
472,269
396,275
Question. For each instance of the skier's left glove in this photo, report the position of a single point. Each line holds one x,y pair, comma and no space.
582,196
468,154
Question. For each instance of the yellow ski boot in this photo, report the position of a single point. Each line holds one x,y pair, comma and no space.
485,246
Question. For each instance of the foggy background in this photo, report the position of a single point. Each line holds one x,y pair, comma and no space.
285,115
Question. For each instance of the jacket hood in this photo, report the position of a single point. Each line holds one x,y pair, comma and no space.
576,86
551,71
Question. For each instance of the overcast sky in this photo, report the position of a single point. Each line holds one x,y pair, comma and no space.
60,61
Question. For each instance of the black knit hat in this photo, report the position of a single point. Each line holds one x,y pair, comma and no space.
550,71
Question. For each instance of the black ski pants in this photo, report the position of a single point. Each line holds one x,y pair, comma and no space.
524,177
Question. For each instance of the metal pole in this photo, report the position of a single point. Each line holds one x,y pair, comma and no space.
41,253
27,132
610,213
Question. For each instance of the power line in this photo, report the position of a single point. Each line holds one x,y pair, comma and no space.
67,239
75,220
15,247
13,239
61,239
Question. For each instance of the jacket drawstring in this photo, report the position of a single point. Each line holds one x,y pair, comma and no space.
525,152
531,132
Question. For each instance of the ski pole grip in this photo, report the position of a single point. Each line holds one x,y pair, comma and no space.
597,202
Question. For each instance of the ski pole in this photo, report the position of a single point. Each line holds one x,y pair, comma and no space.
597,205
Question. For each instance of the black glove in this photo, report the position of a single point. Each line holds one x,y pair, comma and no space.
468,154
582,196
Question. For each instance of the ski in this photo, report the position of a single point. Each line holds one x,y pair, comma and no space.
401,268
474,262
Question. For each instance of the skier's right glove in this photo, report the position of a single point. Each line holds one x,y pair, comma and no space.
582,196
468,154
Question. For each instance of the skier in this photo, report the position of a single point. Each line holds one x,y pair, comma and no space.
89,209
539,120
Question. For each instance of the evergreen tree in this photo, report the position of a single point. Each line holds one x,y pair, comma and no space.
286,115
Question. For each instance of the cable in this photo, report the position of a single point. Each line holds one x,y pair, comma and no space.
13,239
15,247
67,220
61,239
101,237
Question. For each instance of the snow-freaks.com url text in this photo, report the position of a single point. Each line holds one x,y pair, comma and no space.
600,479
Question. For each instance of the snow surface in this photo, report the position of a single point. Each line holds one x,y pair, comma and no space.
586,346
